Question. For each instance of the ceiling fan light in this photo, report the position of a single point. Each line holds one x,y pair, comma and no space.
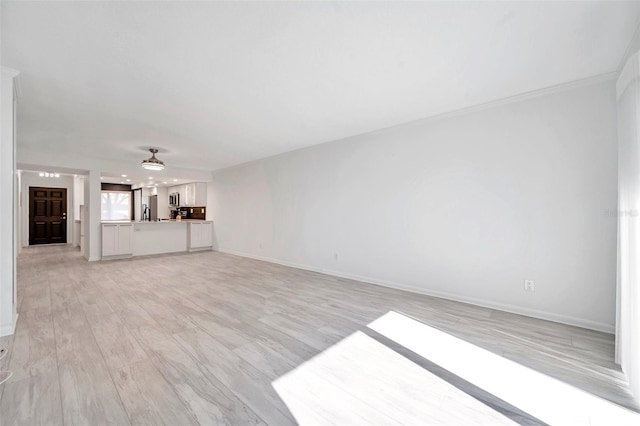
153,163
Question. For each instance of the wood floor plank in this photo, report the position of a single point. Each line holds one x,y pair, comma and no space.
34,346
36,297
249,384
266,359
354,366
87,389
118,345
34,400
208,400
206,338
148,398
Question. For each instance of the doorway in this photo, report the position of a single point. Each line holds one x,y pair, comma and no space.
47,215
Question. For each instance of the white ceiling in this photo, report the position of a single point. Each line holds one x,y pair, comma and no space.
217,84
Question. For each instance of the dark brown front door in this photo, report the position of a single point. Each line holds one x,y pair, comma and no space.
47,215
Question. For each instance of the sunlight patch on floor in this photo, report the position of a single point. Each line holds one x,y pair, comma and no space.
361,381
543,397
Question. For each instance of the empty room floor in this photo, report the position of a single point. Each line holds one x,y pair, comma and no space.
211,338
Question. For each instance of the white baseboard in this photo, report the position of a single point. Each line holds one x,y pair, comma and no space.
520,310
8,329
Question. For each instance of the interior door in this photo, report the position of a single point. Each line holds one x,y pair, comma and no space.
47,215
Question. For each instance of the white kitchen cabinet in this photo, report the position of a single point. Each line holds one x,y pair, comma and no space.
200,198
191,194
200,236
117,239
109,239
195,194
207,234
125,239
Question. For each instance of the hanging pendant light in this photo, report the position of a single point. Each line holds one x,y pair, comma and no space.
153,163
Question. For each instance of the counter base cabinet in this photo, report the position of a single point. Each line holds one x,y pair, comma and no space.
200,236
117,240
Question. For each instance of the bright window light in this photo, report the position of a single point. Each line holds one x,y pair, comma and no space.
541,396
115,205
360,381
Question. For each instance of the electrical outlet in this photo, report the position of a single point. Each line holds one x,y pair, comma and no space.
335,255
528,285
260,245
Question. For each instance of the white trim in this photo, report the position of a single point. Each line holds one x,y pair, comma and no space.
545,91
9,329
627,51
17,85
549,316
17,80
197,249
629,74
11,72
115,257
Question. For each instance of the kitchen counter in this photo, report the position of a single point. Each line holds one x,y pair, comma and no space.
126,238
136,222
186,220
159,237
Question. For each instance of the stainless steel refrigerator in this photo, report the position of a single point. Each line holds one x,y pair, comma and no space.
150,208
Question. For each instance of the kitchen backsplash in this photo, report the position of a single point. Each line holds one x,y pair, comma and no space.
194,212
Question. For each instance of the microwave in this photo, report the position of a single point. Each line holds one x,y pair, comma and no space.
174,199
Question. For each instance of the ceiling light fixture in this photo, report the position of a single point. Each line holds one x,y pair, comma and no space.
153,163
49,174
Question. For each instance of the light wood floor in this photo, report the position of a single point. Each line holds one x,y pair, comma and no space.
200,339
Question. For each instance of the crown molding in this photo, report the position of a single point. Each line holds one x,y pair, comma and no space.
627,52
17,85
545,91
575,84
9,71
629,74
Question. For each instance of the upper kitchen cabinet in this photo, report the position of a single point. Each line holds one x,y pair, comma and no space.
195,194
191,194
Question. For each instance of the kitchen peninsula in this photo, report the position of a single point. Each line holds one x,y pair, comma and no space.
122,239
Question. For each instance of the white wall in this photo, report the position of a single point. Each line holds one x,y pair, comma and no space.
78,200
163,202
628,324
92,248
33,179
8,192
78,195
466,206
